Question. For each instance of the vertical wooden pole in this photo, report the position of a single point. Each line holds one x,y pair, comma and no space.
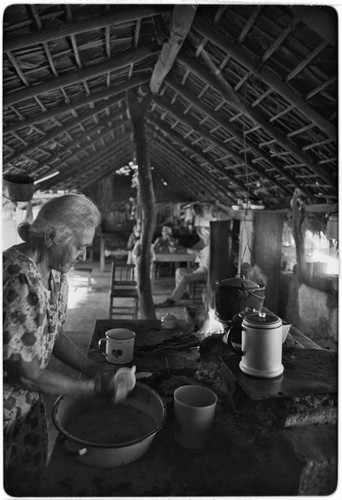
268,231
137,111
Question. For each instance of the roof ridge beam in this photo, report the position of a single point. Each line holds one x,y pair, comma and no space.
182,18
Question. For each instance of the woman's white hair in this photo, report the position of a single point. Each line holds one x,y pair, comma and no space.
62,217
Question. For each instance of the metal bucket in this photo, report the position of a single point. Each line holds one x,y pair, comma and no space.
233,295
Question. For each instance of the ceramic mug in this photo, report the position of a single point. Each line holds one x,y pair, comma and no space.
194,407
119,346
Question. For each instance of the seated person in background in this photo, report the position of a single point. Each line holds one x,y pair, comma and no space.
165,242
133,238
184,276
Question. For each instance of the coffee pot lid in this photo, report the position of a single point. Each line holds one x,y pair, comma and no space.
262,320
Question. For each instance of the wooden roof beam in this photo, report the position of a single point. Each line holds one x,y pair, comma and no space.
179,162
91,135
182,18
257,117
71,106
265,74
120,157
320,19
221,145
234,132
110,18
95,158
61,130
189,147
173,173
209,184
114,64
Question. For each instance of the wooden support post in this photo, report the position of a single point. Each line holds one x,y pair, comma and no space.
137,110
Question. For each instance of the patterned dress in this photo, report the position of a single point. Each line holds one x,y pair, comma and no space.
33,317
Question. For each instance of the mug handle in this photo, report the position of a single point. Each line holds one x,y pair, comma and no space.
100,344
230,343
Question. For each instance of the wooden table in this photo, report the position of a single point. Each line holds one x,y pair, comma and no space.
173,258
251,451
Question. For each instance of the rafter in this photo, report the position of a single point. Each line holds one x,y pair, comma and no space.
200,130
61,130
258,118
96,96
264,74
85,25
114,64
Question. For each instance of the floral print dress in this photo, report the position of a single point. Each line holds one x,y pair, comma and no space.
33,317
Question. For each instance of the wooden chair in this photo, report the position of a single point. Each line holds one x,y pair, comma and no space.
123,286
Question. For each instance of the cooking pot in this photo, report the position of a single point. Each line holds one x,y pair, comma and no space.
102,434
233,295
18,187
261,353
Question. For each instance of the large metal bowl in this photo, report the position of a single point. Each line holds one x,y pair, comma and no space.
107,435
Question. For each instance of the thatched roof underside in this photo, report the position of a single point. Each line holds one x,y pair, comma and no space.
244,96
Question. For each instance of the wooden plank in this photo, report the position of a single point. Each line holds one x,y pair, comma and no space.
268,232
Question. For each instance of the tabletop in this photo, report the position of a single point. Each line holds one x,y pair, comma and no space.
175,257
249,453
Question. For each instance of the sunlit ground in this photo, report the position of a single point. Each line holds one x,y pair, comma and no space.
76,296
77,290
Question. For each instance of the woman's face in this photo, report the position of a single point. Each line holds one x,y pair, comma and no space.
63,257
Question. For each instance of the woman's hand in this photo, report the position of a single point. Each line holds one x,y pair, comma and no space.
115,387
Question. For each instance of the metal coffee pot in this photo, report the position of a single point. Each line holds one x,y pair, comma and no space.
261,345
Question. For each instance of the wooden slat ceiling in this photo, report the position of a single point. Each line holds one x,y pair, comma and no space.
244,97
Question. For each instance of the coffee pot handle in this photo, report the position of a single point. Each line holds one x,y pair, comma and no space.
230,343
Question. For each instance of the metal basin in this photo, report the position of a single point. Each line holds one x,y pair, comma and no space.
107,435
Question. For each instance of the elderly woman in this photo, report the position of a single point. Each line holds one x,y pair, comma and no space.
34,307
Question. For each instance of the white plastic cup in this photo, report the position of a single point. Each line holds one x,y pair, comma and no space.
119,346
194,411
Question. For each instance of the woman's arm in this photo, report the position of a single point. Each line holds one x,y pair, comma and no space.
29,375
69,353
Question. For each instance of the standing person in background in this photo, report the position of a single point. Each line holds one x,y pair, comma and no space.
133,238
184,276
35,294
